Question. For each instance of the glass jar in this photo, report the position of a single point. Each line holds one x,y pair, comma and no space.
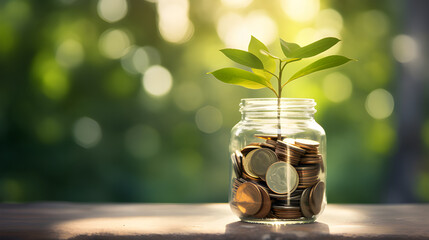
278,156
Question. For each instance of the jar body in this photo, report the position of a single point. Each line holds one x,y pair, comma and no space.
278,158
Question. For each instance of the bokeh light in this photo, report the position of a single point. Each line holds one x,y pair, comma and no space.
405,48
136,60
236,3
379,104
87,132
234,29
174,23
301,11
140,60
114,43
329,19
337,87
112,10
70,53
157,81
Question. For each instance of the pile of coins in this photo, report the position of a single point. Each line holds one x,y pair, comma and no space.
278,178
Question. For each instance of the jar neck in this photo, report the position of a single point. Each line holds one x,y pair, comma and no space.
269,108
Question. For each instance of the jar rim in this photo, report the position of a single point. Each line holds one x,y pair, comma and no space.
311,100
288,105
307,102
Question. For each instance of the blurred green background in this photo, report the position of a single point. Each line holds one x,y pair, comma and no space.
109,100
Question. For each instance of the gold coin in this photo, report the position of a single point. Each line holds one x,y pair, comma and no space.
248,199
282,178
246,164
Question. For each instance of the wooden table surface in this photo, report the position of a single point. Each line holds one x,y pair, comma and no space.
204,221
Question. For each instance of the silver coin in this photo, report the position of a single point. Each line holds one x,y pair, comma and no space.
260,160
282,178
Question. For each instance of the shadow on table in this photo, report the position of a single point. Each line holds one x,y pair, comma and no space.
259,231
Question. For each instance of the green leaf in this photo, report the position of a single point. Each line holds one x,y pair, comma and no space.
243,57
288,47
321,64
268,54
255,47
241,77
314,48
291,60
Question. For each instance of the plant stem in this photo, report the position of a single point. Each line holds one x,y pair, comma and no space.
279,96
271,73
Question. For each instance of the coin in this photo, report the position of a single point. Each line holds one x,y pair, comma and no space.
248,199
294,203
292,208
267,145
260,160
287,201
249,148
316,197
313,156
307,142
304,204
310,161
253,144
291,147
310,178
246,164
282,178
287,212
307,167
269,136
266,204
272,142
249,178
289,140
296,195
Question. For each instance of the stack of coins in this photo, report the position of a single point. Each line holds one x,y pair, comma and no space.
237,159
287,212
288,152
287,200
278,178
312,155
308,175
